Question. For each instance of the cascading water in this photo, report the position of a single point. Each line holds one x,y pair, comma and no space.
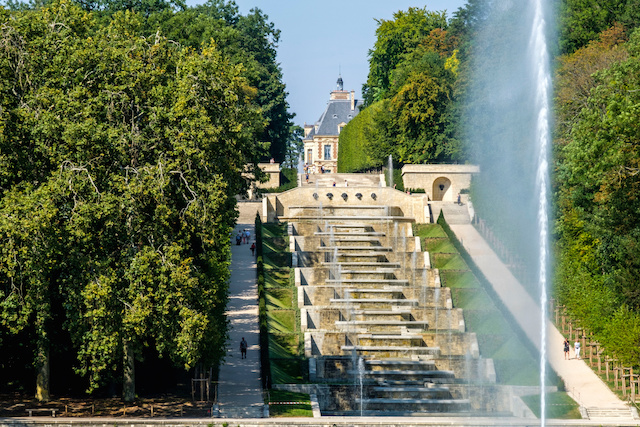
361,378
540,58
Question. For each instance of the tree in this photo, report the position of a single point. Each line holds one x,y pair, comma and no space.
575,76
137,185
582,20
295,146
412,79
394,39
250,40
599,179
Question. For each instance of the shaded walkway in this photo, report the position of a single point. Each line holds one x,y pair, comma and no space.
240,390
581,382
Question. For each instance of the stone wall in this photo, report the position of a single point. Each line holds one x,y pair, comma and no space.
277,206
440,182
272,170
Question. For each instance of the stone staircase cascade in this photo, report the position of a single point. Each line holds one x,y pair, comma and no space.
380,331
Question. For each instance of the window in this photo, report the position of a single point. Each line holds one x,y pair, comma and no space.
309,156
327,152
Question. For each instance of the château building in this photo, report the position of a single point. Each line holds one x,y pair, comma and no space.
321,139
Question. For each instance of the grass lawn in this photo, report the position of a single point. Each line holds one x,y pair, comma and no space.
278,409
514,363
440,245
447,261
559,406
428,230
459,279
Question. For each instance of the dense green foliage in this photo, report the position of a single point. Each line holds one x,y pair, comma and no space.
121,153
598,164
352,148
410,95
583,20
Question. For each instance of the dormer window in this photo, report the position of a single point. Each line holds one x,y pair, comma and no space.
335,116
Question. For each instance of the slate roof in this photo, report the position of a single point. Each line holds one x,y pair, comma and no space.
337,111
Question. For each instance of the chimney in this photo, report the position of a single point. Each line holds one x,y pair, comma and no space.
353,100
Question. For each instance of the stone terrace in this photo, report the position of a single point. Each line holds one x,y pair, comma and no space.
380,331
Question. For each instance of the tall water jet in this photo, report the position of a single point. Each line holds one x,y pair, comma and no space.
390,171
543,83
510,114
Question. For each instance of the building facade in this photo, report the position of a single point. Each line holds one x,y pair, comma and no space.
321,139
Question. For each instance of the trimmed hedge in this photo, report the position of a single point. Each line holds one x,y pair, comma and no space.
265,367
352,146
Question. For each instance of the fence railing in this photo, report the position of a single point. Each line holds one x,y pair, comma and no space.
623,377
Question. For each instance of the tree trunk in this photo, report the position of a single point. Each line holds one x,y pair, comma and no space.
42,379
129,373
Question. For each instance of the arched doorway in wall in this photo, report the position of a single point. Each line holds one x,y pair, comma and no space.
442,190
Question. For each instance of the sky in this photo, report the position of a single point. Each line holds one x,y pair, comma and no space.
322,39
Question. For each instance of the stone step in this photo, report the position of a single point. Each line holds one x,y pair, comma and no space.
428,405
391,312
365,249
391,349
381,270
325,217
454,213
423,373
382,264
377,362
593,412
413,302
372,281
388,412
352,225
411,392
399,336
431,382
398,365
349,233
407,323
401,401
408,388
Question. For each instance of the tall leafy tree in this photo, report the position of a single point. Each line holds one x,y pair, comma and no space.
583,20
250,40
134,147
412,80
598,183
394,39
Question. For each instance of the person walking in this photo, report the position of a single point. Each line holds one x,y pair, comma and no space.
253,248
243,349
576,348
566,349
